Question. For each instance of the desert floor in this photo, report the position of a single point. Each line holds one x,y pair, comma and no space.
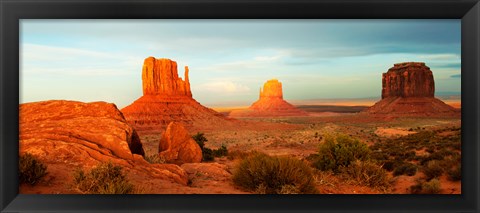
300,137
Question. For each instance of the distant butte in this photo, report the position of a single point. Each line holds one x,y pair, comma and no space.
167,98
270,103
408,89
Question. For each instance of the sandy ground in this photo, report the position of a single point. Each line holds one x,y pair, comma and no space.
299,137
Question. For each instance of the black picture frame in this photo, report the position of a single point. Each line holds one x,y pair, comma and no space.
13,10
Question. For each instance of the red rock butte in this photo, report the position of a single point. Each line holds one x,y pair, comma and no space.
270,103
160,77
408,89
167,98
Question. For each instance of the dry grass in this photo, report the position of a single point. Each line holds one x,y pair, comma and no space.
103,179
367,173
422,187
31,170
262,173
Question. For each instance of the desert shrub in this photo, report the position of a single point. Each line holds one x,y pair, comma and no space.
405,169
455,173
220,152
379,156
367,173
430,187
389,165
155,159
340,151
207,153
31,170
433,169
200,139
105,178
436,156
453,167
274,175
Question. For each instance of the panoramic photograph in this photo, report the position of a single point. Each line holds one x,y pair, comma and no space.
313,106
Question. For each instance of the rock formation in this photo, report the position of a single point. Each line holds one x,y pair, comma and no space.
411,79
177,146
167,98
272,89
408,89
270,103
160,77
66,135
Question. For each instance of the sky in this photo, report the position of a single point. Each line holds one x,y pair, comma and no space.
229,60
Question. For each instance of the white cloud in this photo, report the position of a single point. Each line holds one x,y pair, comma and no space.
440,57
223,87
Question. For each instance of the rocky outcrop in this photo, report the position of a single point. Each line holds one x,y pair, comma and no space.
177,146
409,79
408,89
66,135
91,124
270,103
272,89
160,77
167,98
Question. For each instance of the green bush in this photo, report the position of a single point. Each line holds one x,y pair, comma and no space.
207,153
262,173
367,173
103,179
405,169
220,152
200,139
340,151
433,169
31,170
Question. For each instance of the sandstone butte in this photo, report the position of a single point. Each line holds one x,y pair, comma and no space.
408,89
167,98
270,103
67,135
177,146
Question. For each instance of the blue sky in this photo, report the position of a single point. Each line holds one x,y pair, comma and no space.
229,60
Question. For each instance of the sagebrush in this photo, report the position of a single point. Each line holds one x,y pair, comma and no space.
105,178
30,169
262,173
367,173
340,151
430,187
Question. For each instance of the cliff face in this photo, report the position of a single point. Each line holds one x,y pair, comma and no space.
272,89
167,98
160,77
408,90
409,79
